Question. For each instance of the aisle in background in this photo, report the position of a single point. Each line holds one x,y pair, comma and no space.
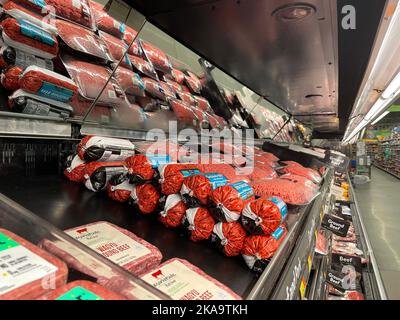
379,202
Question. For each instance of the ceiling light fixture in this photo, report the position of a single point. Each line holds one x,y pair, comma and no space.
380,117
294,12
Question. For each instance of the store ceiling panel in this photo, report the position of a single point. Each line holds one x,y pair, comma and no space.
294,63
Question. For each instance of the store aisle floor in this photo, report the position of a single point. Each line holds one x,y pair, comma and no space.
379,202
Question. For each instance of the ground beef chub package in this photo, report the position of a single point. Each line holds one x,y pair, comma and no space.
107,23
97,174
75,168
230,200
263,217
145,198
48,84
173,175
10,78
197,189
130,82
27,270
157,57
96,148
13,57
26,36
116,48
199,224
118,188
183,112
173,210
183,281
142,168
143,67
73,10
228,237
258,250
82,290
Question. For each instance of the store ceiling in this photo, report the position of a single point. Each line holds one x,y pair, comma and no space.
308,67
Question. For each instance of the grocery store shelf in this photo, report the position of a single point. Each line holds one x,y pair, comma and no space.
317,290
387,171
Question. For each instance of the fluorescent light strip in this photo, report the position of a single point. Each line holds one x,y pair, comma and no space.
380,117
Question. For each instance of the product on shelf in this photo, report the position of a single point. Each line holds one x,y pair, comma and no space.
258,250
162,148
97,174
183,112
119,245
142,168
27,103
166,88
91,78
175,86
225,169
27,270
184,281
263,217
28,37
229,237
196,189
116,48
157,57
202,103
258,172
148,104
187,97
198,223
97,148
48,84
75,168
154,88
130,82
322,245
13,57
81,39
307,183
177,75
145,198
346,248
82,290
77,11
173,175
10,78
349,295
214,122
201,117
230,200
129,36
118,188
193,82
299,170
173,210
144,67
107,23
294,193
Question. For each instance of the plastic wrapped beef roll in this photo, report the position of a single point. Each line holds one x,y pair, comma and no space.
10,78
119,189
157,57
263,217
98,174
145,198
28,37
96,148
48,84
173,175
130,82
143,67
229,237
178,76
142,168
202,103
107,23
193,82
75,168
129,36
13,57
197,189
27,103
154,88
258,250
198,223
173,210
183,112
116,48
188,98
72,10
230,200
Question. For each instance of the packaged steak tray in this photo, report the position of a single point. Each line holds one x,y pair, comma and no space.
27,271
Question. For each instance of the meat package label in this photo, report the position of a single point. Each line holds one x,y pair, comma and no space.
79,293
34,107
281,205
190,172
158,159
20,266
336,279
25,60
338,226
39,3
55,92
345,260
182,283
244,189
30,30
216,179
278,233
110,242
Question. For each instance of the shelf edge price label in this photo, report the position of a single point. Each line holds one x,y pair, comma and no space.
302,288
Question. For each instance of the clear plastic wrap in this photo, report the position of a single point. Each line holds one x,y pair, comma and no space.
75,167
116,48
107,23
130,82
143,67
183,112
77,11
157,57
202,103
154,88
10,78
173,210
299,170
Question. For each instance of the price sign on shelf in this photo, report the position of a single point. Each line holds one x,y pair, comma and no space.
302,288
337,225
309,261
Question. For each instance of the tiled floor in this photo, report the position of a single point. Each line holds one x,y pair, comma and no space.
379,203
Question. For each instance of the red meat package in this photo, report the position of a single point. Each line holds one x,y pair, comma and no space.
202,103
173,210
232,174
157,57
201,117
82,290
119,189
129,36
145,198
177,76
97,148
193,82
143,67
322,245
258,250
77,11
229,237
130,82
183,281
27,271
183,112
162,148
289,191
116,48
81,39
99,113
198,223
10,78
230,200
263,217
107,23
298,169
154,88
188,98
121,246
48,84
173,175
168,91
258,172
197,189
28,37
300,179
91,79
173,84
214,123
142,168
97,174
75,168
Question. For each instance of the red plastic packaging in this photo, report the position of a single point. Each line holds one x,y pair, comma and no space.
140,168
145,197
129,36
178,76
116,48
193,82
75,168
10,78
107,23
154,88
130,82
229,238
77,11
173,211
199,224
157,57
183,112
119,189
143,67
202,103
173,175
187,98
97,174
